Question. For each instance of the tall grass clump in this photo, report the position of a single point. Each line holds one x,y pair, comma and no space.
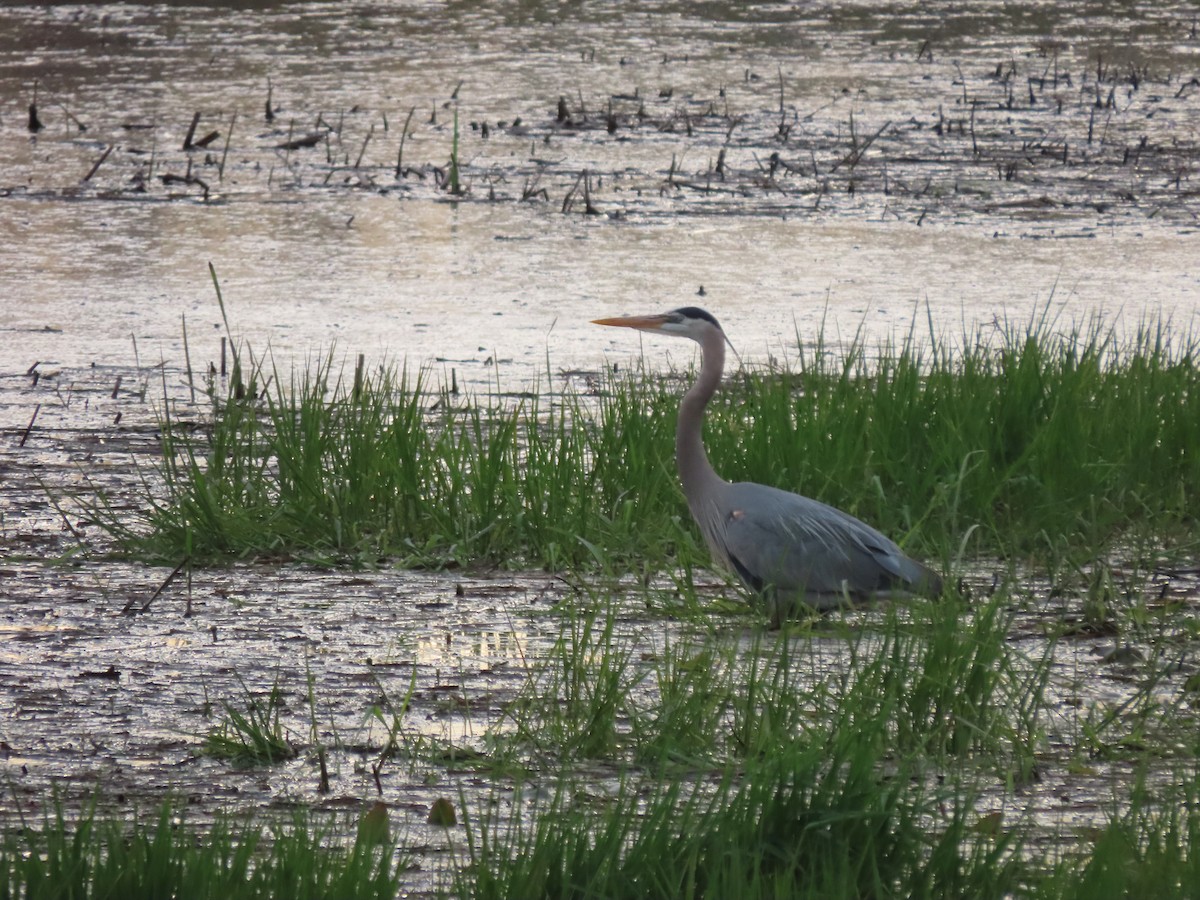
947,680
101,857
576,698
1148,849
935,681
1009,441
818,817
254,736
1014,436
308,463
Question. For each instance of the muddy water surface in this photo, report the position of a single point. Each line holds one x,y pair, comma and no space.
864,157
856,164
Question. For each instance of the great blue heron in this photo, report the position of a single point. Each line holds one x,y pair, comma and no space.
787,548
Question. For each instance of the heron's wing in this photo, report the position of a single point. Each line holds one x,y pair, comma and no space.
774,538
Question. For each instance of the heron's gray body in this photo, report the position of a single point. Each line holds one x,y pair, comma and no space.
787,548
794,550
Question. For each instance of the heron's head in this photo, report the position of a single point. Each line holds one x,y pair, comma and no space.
689,321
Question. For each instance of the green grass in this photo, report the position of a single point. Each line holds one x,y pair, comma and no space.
817,821
845,762
1024,442
102,857
253,736
657,748
858,757
934,679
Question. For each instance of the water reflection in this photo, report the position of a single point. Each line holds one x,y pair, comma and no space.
326,242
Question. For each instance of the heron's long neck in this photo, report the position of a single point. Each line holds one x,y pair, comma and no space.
694,469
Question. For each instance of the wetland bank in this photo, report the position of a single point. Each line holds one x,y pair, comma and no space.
956,254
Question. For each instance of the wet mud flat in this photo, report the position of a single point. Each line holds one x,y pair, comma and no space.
444,180
1042,119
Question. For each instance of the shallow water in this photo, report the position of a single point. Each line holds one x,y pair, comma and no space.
1001,160
326,243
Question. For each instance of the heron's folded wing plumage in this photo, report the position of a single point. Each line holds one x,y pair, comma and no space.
794,543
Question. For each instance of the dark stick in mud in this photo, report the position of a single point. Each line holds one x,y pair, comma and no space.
225,152
191,132
403,137
363,149
129,607
71,117
187,356
35,124
587,195
323,787
569,199
206,140
28,428
92,171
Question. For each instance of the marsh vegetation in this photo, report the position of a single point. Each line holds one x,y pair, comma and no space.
435,619
1030,733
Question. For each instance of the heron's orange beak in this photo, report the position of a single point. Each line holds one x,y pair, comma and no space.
645,323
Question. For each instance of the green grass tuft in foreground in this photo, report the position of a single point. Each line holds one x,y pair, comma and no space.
897,769
98,857
1017,441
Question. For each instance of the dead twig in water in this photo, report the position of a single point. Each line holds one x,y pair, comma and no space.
403,138
129,607
852,158
568,201
309,140
206,140
98,164
187,356
169,179
71,116
588,209
225,152
363,150
784,130
191,132
28,428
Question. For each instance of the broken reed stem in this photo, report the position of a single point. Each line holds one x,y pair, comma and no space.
98,164
363,150
587,195
569,200
323,787
225,151
28,428
187,357
129,607
403,137
191,132
71,116
287,145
